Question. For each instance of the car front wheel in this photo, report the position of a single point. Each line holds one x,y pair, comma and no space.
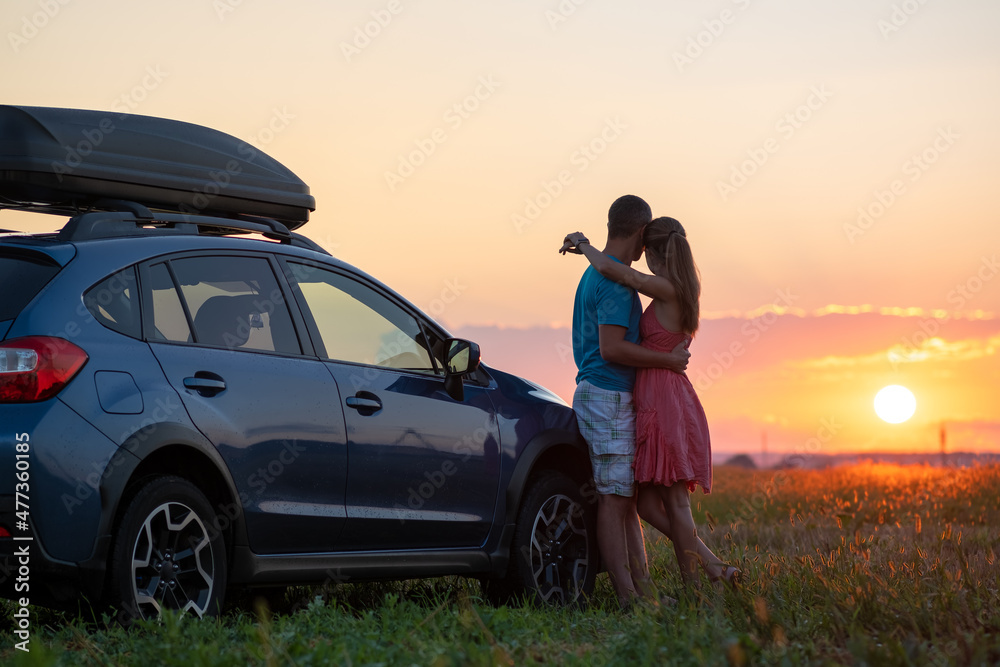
553,556
167,553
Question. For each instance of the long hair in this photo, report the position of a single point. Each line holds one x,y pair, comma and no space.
666,240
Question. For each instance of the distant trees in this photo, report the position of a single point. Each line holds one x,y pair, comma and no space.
740,461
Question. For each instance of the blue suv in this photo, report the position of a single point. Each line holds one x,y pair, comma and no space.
194,397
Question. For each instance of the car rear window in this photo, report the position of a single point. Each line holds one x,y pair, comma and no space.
22,276
114,303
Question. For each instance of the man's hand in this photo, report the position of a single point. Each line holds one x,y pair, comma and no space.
616,349
679,357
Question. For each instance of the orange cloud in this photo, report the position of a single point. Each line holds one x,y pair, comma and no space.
839,309
787,374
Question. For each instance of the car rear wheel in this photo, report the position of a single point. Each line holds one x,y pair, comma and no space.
167,553
553,556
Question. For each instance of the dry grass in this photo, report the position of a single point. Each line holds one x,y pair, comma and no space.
869,561
869,564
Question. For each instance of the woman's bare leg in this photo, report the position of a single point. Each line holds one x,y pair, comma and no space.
676,500
690,548
651,509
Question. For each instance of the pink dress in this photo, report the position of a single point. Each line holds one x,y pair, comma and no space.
672,442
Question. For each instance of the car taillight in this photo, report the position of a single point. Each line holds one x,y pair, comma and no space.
36,368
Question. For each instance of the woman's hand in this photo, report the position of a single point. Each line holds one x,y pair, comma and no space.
571,242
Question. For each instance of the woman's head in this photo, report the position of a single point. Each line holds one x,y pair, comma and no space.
669,255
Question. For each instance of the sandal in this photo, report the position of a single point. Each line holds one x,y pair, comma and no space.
730,574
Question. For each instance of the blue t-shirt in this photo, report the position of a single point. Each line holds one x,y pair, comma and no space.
603,301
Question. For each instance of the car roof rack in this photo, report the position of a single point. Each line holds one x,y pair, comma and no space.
119,219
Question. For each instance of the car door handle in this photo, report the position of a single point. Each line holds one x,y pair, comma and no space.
364,404
206,386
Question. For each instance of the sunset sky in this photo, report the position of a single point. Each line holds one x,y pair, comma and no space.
832,162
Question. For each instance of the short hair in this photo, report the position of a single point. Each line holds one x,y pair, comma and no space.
627,215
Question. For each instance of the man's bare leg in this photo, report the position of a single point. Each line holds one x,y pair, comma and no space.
612,539
638,564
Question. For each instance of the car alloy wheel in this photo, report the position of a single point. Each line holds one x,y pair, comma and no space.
168,553
553,556
560,556
172,565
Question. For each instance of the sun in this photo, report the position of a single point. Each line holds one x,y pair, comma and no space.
895,404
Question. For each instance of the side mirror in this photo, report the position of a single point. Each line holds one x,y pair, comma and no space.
461,358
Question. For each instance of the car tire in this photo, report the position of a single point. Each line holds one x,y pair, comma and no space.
167,553
553,556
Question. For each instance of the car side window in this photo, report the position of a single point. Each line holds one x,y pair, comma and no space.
358,325
230,302
169,321
114,303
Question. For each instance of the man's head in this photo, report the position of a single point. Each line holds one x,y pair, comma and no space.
627,217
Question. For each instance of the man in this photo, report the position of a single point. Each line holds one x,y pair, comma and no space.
607,351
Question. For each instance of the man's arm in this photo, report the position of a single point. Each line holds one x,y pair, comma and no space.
616,349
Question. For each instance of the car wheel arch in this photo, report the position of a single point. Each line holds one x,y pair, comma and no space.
172,450
558,450
554,481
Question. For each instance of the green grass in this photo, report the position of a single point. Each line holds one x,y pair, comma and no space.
877,565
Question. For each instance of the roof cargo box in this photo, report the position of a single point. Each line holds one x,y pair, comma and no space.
71,158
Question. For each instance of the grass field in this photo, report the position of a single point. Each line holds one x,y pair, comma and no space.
869,564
